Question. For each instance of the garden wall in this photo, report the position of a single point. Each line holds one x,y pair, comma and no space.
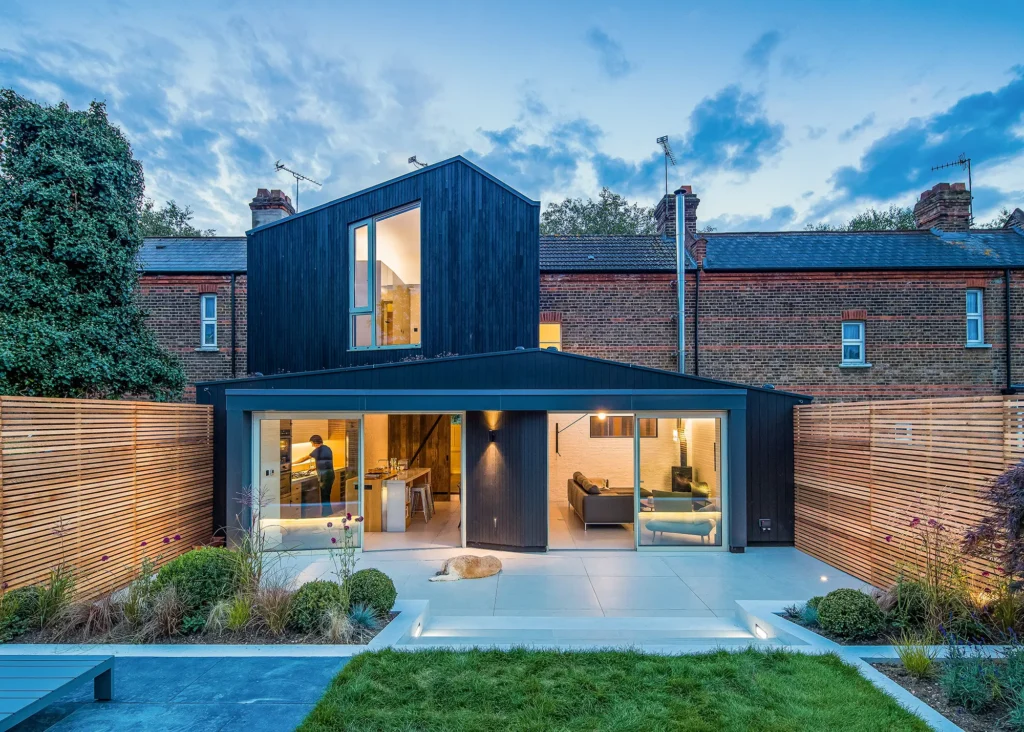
84,479
865,470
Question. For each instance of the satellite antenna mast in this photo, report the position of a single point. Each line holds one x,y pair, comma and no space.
278,166
670,157
417,163
964,163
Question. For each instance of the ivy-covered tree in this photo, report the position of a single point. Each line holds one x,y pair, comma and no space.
171,220
610,214
70,199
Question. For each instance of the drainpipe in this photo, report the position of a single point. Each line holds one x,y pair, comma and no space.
234,370
696,324
1009,344
681,276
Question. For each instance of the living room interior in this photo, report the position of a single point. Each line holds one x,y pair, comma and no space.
591,474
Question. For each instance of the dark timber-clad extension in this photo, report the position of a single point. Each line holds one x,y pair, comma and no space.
480,272
509,394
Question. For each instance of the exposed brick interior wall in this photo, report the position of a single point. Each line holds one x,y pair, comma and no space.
784,328
172,305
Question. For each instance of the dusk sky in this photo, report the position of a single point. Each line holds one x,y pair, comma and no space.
781,113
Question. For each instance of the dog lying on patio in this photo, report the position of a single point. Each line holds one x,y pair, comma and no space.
466,566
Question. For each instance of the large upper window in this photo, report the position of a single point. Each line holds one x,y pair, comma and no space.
384,300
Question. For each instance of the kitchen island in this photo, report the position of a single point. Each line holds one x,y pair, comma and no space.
396,497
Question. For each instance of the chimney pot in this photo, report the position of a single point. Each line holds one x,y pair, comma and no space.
944,207
270,206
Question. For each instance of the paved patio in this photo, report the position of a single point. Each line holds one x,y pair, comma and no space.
596,583
196,695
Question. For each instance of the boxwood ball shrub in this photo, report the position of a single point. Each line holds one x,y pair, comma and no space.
202,577
311,603
850,614
373,588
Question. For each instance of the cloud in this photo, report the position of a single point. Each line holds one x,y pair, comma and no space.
987,126
813,133
610,55
730,131
852,132
795,67
760,52
778,219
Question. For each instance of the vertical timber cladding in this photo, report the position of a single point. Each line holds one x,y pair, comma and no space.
85,479
480,268
507,480
865,470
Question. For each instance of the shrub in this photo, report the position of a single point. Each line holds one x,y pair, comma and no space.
194,623
166,614
809,615
202,577
911,605
337,628
917,656
374,588
17,612
239,612
968,677
998,537
311,603
850,614
271,607
814,601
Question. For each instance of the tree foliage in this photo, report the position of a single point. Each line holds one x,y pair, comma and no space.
999,221
70,199
999,536
171,220
895,218
611,214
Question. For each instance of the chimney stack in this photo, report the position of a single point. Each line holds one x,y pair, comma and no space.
270,206
665,214
946,207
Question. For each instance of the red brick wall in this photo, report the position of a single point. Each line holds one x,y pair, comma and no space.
784,329
172,304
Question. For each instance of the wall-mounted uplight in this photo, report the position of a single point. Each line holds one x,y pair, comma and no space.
760,632
601,416
491,434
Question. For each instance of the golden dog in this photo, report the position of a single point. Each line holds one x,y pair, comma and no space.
466,566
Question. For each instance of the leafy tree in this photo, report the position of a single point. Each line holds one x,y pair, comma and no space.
999,536
895,218
171,220
999,221
70,198
610,214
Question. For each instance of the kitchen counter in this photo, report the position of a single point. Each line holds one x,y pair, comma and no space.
397,498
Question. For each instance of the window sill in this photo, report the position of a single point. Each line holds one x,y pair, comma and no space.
854,365
208,349
977,345
415,346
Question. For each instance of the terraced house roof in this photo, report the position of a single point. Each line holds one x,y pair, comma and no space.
650,253
214,254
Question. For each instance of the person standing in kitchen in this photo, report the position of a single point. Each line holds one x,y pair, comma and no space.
324,458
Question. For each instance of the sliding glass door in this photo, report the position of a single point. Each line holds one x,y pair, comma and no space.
681,480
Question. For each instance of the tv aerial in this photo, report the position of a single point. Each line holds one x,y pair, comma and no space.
413,161
964,163
670,157
279,166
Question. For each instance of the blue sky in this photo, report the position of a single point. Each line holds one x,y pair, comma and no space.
781,113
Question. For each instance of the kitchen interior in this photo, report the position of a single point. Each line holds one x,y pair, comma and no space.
411,484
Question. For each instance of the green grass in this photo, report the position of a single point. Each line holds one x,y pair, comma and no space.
507,691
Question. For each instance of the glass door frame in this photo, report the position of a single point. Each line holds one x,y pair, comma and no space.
723,488
256,417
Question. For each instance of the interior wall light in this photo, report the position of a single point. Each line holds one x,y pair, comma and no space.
601,416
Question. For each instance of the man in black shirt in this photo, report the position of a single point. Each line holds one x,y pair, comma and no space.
325,471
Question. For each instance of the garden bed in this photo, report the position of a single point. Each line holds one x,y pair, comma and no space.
930,692
604,690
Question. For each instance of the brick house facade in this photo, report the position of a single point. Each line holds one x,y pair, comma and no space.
769,308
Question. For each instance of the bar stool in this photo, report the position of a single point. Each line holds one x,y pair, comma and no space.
423,493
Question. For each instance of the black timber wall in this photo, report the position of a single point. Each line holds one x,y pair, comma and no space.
506,480
769,417
480,273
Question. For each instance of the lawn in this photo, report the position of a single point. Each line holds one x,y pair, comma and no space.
507,691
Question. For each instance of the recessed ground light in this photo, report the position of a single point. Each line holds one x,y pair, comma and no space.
760,632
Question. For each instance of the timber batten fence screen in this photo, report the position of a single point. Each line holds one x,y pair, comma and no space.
864,470
84,479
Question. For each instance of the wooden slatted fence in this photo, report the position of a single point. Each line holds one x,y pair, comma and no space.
85,479
864,470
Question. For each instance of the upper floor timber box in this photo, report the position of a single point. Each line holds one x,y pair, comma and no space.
455,270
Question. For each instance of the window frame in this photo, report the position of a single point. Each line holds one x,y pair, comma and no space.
371,279
626,419
205,321
978,316
860,341
541,342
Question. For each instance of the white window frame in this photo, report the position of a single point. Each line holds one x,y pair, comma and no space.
205,321
862,361
978,316
371,257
